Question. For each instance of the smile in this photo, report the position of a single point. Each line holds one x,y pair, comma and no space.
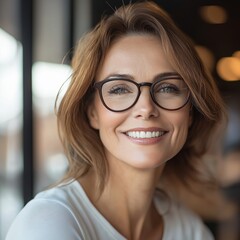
143,134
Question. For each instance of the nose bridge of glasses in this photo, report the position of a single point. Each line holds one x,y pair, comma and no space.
142,84
146,84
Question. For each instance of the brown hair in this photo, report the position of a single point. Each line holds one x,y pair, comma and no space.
82,144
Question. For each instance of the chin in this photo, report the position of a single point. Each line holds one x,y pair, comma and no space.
147,164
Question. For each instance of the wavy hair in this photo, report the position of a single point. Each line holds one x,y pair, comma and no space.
82,143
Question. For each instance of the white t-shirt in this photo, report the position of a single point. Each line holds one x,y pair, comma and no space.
65,213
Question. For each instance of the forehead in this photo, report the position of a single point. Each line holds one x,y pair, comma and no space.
133,55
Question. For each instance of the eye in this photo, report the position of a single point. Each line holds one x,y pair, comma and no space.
166,88
120,89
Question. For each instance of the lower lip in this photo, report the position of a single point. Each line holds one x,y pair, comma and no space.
146,141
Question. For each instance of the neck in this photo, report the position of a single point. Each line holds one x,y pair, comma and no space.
127,200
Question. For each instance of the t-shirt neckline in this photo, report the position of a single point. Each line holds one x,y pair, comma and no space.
161,208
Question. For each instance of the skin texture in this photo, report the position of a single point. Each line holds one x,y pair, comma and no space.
135,165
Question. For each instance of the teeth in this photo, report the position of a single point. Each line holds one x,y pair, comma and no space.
142,134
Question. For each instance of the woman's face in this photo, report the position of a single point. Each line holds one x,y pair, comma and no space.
163,132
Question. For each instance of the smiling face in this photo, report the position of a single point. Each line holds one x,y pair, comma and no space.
144,136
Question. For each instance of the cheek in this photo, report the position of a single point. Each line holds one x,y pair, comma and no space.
180,124
108,123
108,119
101,118
109,130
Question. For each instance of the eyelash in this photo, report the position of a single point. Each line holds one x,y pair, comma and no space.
118,90
168,88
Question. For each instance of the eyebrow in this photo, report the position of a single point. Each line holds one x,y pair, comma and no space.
166,75
128,76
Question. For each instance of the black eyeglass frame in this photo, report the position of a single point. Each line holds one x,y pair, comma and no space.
98,86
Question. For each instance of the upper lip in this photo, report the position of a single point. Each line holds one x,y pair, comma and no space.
150,129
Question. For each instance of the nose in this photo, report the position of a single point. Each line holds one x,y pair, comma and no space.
145,108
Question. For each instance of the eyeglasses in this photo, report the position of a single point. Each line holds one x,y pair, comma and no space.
120,94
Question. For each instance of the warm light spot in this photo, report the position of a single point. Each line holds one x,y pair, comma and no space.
228,68
213,14
206,56
236,54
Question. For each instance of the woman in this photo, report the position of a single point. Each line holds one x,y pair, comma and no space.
139,112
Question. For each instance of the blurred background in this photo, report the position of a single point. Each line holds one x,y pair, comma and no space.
36,42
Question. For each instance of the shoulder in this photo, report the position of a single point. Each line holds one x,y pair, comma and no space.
181,222
50,215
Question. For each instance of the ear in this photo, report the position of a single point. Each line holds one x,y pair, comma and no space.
93,116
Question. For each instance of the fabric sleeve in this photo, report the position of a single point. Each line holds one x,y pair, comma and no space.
45,219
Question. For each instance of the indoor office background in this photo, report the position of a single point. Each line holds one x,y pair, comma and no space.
36,42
